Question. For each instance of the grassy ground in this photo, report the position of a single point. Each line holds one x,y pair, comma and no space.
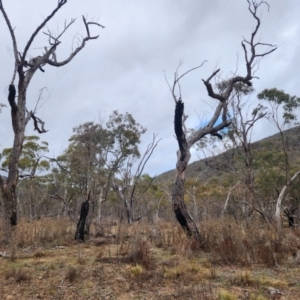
139,262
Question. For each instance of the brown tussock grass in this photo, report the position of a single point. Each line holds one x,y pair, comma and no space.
145,261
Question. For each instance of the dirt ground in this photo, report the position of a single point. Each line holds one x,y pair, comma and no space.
136,267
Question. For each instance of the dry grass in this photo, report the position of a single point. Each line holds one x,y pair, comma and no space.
248,244
46,232
145,261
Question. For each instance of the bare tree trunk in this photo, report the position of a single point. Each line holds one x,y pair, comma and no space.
227,198
99,206
156,215
122,195
129,211
280,199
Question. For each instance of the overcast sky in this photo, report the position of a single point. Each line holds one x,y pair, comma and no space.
124,68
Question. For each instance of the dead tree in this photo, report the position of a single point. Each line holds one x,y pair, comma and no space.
290,214
219,120
24,69
79,235
127,191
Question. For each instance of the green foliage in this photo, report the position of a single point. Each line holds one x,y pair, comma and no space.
31,156
96,152
125,133
280,98
271,176
238,87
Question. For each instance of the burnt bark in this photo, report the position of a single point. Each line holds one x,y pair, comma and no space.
20,115
79,235
181,213
13,105
179,109
219,120
290,213
19,121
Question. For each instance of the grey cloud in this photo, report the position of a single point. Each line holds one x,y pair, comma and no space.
123,69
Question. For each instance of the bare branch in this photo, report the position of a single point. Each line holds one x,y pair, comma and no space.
209,87
58,197
58,163
190,71
148,153
249,59
177,79
59,5
146,188
36,122
56,39
87,27
13,38
79,48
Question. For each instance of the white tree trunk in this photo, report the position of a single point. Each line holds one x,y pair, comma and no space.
227,199
280,199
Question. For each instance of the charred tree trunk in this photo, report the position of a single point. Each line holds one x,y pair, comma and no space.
290,213
181,213
219,120
79,235
10,207
9,187
19,113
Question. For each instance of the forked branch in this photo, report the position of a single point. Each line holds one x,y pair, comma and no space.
88,37
59,5
148,153
250,58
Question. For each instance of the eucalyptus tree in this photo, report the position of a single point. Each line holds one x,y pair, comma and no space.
282,114
219,119
24,68
94,157
32,168
81,168
238,157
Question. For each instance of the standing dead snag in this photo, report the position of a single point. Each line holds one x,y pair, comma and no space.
24,69
79,235
220,118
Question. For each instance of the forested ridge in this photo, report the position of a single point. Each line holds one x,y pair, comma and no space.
266,145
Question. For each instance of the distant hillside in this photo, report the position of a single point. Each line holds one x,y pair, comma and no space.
201,169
